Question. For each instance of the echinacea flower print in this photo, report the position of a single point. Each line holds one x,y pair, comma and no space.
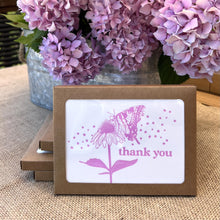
109,133
113,131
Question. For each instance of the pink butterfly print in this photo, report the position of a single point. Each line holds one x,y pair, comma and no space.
128,120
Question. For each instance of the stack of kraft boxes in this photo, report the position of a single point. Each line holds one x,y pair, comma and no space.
39,155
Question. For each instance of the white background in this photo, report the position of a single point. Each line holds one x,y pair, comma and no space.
82,115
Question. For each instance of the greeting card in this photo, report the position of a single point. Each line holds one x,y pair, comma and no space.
125,141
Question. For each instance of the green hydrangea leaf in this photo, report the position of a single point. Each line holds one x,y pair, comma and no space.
167,73
18,25
37,39
17,20
25,39
33,40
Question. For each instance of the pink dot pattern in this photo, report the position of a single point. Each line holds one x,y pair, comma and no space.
79,139
151,128
154,127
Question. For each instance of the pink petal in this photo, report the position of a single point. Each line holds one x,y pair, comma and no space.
52,28
160,34
182,19
89,15
177,6
167,50
191,25
203,3
75,44
86,48
146,9
207,28
113,24
188,13
202,17
186,59
65,31
181,69
215,45
77,53
67,68
191,38
172,39
179,56
178,46
169,24
74,62
67,6
215,10
171,27
116,5
138,58
213,36
187,3
157,21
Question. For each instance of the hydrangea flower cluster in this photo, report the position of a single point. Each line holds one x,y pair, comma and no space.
69,57
124,29
190,33
51,14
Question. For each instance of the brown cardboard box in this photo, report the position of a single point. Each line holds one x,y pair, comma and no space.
46,141
43,175
201,84
205,85
215,86
32,160
185,93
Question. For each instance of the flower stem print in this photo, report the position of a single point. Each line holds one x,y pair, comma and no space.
118,165
116,130
110,162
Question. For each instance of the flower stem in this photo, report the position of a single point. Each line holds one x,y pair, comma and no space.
110,162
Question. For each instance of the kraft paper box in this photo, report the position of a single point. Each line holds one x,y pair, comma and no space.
125,140
43,175
46,141
34,158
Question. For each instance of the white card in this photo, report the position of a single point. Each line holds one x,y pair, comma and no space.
125,141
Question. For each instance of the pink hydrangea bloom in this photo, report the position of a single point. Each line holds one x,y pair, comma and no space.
51,14
124,29
68,57
190,33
